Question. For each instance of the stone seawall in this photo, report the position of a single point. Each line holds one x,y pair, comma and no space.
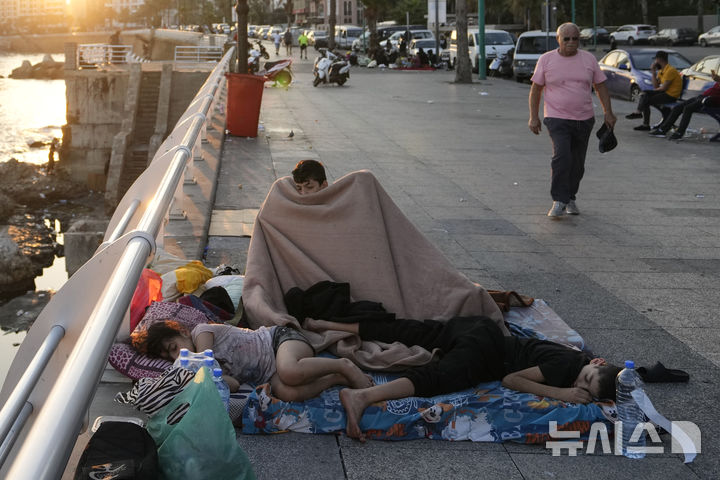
96,107
49,42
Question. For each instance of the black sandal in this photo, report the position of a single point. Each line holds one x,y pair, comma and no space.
659,374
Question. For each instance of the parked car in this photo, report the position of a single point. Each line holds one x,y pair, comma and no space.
587,36
628,71
698,76
530,46
497,42
385,32
632,34
263,31
318,39
397,37
252,31
673,36
427,44
711,37
346,34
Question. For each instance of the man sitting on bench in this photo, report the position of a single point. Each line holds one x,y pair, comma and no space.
667,87
708,98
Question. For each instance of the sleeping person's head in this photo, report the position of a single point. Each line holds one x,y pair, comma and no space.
598,378
309,176
163,339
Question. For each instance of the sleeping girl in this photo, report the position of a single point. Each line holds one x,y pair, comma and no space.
279,355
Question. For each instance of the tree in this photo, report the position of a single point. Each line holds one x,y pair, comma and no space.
415,9
242,40
332,21
373,10
700,11
289,6
258,12
463,68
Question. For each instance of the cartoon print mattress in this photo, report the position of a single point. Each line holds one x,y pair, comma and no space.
486,413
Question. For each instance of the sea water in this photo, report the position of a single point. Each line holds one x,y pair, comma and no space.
30,110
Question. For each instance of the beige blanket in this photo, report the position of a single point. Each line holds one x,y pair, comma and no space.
353,232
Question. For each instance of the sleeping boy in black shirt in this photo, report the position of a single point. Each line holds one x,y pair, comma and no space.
474,350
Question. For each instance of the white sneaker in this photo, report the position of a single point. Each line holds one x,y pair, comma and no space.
557,210
572,208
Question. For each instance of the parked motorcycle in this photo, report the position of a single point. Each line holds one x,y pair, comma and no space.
330,68
501,66
278,71
254,57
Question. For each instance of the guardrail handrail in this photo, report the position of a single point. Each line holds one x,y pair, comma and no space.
198,53
49,430
90,55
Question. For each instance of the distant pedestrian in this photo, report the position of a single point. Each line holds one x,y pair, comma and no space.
303,42
288,39
51,156
277,38
567,76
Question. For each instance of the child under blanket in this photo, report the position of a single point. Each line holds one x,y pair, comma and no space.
474,350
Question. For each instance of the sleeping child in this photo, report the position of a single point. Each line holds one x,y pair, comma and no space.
279,355
473,350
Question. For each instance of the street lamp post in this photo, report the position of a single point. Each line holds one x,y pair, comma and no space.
482,65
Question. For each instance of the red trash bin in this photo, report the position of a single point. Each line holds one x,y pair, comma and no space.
244,96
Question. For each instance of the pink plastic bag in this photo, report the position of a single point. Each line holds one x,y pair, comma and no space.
148,290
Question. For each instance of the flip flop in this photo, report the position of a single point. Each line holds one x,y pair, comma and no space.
659,374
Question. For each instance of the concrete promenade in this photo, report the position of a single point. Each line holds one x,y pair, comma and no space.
636,274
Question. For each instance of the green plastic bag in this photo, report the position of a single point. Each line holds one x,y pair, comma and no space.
202,445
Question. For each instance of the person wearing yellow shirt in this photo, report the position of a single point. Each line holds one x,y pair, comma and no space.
303,42
667,88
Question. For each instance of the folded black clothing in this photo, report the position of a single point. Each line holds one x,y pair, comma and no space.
331,301
658,373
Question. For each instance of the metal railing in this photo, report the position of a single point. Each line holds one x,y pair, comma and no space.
57,369
91,55
198,53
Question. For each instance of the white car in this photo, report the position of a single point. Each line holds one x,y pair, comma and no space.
396,37
632,34
711,37
497,43
427,44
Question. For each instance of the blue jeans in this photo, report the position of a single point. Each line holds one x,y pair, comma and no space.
570,141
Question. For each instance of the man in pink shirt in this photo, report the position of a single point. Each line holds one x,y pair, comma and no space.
567,76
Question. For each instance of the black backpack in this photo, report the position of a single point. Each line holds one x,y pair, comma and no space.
119,451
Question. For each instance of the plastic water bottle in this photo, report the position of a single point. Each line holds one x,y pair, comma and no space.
628,410
222,387
195,361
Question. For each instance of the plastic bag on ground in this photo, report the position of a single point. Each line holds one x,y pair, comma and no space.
202,445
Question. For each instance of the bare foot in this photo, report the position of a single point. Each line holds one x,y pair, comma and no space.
354,407
357,378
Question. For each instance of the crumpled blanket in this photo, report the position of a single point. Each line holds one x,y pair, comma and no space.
353,232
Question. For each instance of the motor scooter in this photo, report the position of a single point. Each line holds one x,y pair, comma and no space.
330,68
501,66
278,71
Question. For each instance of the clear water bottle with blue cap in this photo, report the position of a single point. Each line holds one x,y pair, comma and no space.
222,387
195,361
629,412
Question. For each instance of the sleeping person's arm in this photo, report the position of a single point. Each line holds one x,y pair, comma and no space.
531,380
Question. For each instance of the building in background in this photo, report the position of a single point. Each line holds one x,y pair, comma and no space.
24,14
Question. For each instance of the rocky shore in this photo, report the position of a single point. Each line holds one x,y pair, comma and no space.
47,69
28,197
